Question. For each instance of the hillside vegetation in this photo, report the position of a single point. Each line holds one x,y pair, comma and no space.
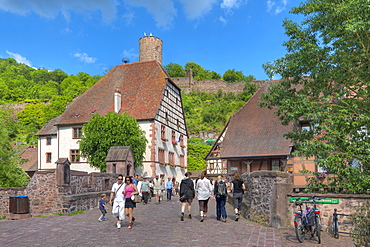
47,93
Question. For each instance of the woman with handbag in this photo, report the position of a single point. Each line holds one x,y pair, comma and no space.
130,192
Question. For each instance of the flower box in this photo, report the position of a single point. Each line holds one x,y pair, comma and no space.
182,146
164,139
174,143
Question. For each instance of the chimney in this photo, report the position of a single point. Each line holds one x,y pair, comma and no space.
117,100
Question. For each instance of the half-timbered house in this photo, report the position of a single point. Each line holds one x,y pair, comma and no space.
144,90
253,140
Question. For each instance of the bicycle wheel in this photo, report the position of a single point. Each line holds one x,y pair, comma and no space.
299,228
317,230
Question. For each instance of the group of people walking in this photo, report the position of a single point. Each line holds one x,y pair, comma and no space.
124,190
205,190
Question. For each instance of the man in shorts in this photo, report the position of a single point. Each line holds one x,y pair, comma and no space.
118,200
157,187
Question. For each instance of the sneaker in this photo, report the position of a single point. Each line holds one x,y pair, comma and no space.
100,219
223,219
237,217
118,225
189,216
104,219
201,218
182,217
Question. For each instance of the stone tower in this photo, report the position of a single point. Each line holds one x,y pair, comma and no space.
150,49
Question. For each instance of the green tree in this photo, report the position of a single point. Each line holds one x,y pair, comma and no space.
196,154
102,132
174,70
327,63
30,121
11,174
235,76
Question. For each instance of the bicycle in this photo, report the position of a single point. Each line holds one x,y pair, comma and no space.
307,222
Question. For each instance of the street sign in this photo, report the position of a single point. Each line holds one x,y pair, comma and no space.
318,200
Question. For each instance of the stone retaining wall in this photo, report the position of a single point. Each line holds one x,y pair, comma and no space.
46,198
267,201
347,204
265,198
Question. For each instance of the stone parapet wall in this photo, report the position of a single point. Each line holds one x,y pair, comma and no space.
5,193
46,198
347,204
211,86
264,200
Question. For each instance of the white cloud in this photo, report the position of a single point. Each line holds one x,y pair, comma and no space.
163,11
230,4
130,54
84,57
19,58
221,19
272,6
195,9
52,8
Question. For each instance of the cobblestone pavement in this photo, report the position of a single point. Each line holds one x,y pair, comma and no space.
155,225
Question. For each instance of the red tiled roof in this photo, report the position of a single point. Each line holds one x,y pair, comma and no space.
254,131
141,85
49,128
30,155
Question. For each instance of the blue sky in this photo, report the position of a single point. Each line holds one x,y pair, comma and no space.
93,36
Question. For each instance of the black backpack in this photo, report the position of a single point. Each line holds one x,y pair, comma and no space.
221,189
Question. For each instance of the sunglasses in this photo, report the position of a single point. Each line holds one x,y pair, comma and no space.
127,180
120,179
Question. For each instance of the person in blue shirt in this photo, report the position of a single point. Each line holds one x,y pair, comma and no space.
103,207
169,187
135,180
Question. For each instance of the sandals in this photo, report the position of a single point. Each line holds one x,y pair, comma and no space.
129,226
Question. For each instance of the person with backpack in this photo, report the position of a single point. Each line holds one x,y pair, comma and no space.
187,194
204,189
220,194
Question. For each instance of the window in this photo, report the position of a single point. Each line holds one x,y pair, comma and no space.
182,160
163,132
305,126
171,158
77,133
161,157
173,137
275,165
75,155
48,157
181,140
48,140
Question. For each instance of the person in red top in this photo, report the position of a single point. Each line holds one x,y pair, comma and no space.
130,189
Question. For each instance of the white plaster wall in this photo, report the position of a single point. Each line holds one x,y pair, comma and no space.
43,149
67,143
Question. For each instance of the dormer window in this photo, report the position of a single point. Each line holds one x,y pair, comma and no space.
305,126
